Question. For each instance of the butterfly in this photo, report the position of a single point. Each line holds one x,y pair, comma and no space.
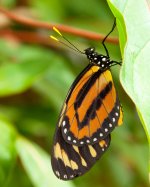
89,114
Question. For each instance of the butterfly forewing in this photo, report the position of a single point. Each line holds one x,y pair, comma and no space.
92,108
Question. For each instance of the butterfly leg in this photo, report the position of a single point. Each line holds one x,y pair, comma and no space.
103,42
116,63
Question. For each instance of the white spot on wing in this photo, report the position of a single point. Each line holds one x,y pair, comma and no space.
65,130
57,173
69,138
74,141
113,119
64,123
110,125
106,130
116,114
101,134
95,139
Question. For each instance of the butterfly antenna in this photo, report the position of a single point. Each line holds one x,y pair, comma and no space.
56,39
103,42
73,46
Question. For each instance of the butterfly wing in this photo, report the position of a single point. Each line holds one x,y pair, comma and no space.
92,99
92,108
70,161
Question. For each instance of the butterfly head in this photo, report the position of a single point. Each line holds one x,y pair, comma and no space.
90,53
98,59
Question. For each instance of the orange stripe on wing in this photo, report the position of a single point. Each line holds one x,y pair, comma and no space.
92,94
108,101
83,132
73,121
108,77
94,125
102,114
70,108
78,87
87,101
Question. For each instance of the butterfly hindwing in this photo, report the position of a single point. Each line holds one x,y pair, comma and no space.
92,108
70,161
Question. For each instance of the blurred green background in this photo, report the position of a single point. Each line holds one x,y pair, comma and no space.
35,76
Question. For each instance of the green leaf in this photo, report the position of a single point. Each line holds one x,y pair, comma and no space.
22,70
7,149
135,69
7,139
37,165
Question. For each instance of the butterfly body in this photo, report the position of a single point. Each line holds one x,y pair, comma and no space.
89,114
97,59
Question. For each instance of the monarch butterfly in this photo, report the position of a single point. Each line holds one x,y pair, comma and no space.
89,114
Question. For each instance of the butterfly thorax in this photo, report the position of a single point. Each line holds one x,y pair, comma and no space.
97,59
